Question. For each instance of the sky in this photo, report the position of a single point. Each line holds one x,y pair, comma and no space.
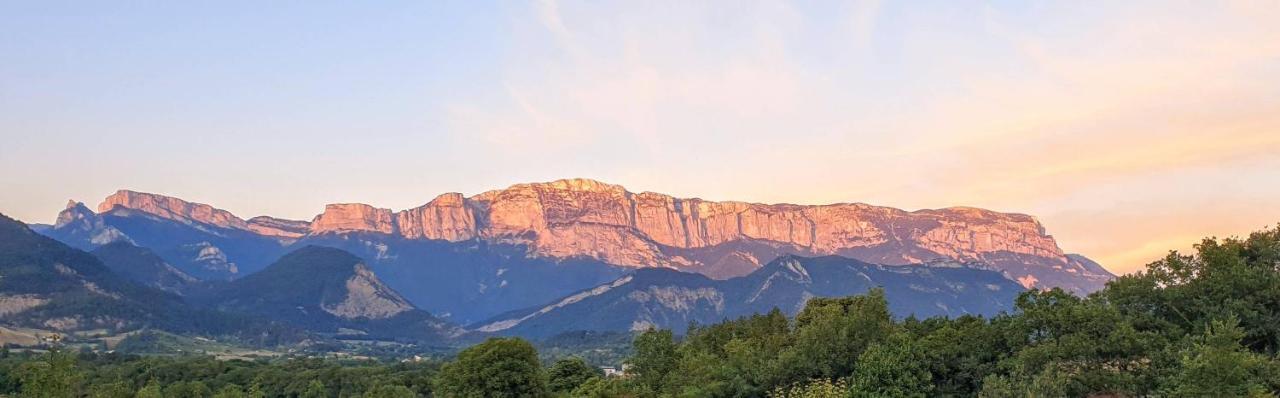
1127,128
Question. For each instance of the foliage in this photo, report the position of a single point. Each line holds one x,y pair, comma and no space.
315,389
600,387
831,333
893,368
569,373
151,390
118,389
820,388
655,357
498,367
390,391
1216,364
54,376
116,375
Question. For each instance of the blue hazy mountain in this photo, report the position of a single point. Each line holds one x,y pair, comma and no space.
205,250
329,291
48,285
665,298
143,266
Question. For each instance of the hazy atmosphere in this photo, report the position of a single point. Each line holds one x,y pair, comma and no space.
1126,128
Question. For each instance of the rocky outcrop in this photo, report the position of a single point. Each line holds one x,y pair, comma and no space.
278,227
210,259
82,228
191,213
367,297
348,217
173,209
446,217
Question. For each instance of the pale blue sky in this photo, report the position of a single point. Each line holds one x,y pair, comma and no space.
1128,128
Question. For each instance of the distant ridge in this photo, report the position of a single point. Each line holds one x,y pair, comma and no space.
581,217
667,299
466,259
328,290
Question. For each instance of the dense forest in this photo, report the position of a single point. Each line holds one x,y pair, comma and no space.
1203,324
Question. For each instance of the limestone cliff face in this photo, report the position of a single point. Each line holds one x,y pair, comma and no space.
588,218
173,209
583,217
367,297
277,227
185,212
446,217
347,217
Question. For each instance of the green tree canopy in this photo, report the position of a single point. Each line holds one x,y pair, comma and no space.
498,367
1216,364
569,373
654,358
55,376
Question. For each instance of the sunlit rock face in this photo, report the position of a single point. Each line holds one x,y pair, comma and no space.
446,217
367,298
586,218
191,213
277,227
344,217
173,209
589,218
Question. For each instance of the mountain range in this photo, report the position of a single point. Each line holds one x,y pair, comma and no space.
310,292
330,291
664,298
49,286
496,256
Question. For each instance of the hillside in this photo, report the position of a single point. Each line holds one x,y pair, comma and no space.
330,291
670,299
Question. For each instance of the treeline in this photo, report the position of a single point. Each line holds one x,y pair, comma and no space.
1205,324
71,374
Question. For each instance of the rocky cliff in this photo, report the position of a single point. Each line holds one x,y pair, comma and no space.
586,218
271,226
172,209
191,213
347,217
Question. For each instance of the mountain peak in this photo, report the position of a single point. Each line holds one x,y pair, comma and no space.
73,213
317,278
